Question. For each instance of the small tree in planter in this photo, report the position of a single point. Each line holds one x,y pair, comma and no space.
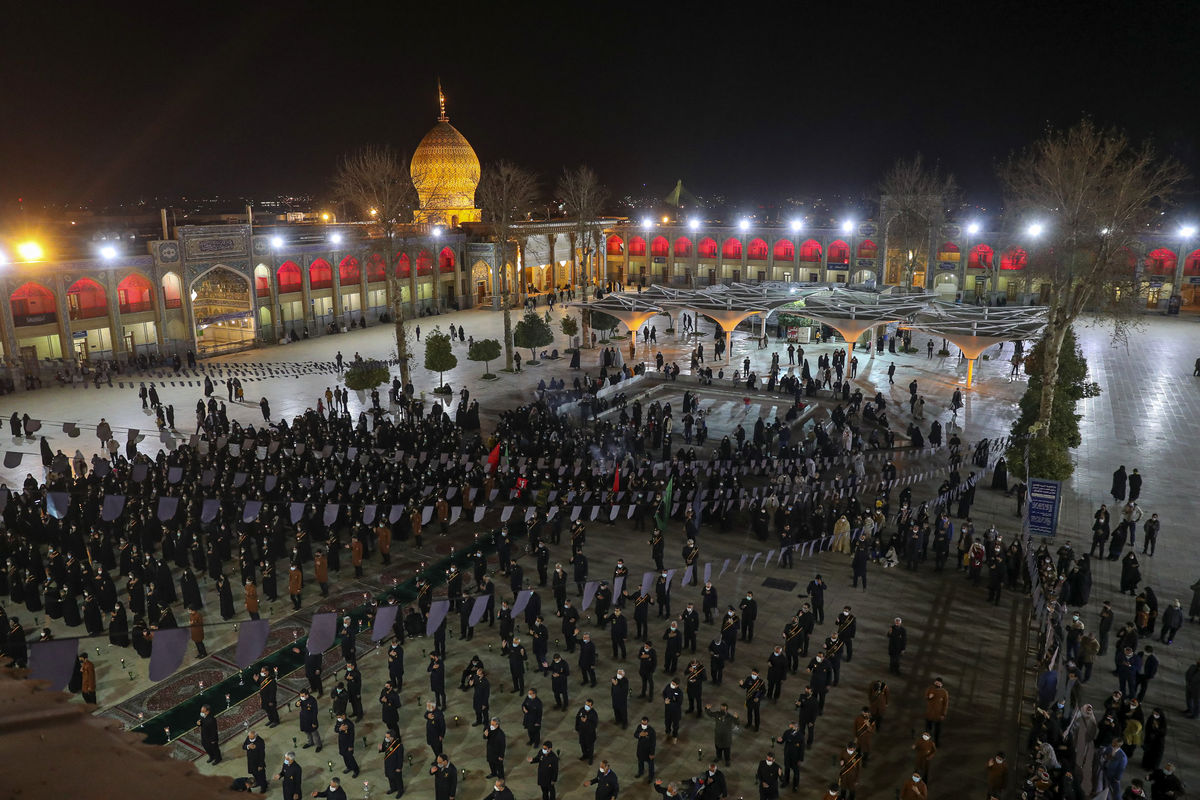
605,323
439,357
485,350
365,375
570,327
532,332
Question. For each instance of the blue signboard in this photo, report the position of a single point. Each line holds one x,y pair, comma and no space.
1044,499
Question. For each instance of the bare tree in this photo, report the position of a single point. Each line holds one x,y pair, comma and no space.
506,192
913,199
1090,192
376,182
583,196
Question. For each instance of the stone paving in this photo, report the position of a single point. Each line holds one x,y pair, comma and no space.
1149,404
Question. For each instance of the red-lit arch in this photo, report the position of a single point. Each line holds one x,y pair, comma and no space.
1160,261
403,266
839,252
1191,264
757,249
1016,258
615,245
289,277
320,274
424,263
349,272
376,268
980,257
446,260
683,247
637,246
86,299
732,248
33,304
785,250
659,247
172,289
707,248
867,249
133,294
810,251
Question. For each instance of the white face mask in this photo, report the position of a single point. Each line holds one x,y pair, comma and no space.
644,726
587,707
925,736
493,727
545,752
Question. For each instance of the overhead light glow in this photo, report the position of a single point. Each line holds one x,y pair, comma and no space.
108,252
325,217
1035,229
797,224
647,223
30,251
666,219
744,225
973,228
1188,231
277,241
374,212
336,238
847,226
694,224
1104,231
437,232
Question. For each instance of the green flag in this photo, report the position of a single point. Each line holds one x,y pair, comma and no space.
664,513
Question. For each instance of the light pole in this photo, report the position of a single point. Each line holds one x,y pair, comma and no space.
1186,233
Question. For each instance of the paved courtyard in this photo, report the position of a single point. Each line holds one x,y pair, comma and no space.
1143,418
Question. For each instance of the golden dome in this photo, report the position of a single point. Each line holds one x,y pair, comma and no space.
445,172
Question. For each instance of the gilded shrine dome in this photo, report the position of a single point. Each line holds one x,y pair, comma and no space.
445,172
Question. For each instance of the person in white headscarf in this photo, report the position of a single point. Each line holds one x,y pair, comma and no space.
1082,734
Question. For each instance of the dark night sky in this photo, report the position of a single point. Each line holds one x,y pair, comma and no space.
260,98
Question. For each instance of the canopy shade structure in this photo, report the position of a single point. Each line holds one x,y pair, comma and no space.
974,329
632,309
853,312
729,305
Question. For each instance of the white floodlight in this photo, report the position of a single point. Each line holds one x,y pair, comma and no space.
277,242
973,228
1035,229
797,224
847,226
336,238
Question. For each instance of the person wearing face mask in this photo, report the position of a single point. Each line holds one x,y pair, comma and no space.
586,722
925,749
209,737
820,674
619,631
345,733
333,792
937,705
393,762
755,688
724,723
291,775
768,775
587,659
499,791
1165,784
496,744
712,784
897,644
662,593
749,608
694,677
607,786
620,699
570,623
445,778
730,626
647,662
560,672
647,745
914,789
997,773
673,708
547,774
792,740
849,771
709,601
847,626
674,639
256,759
691,626
531,715
864,732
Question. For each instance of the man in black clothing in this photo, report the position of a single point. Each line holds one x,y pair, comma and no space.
435,727
393,762
497,743
334,792
768,776
547,761
647,746
445,778
209,737
712,784
897,642
755,689
292,777
607,787
792,740
749,607
620,699
481,696
345,732
586,722
531,715
256,759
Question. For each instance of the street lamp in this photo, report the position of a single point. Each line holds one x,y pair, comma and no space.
30,251
796,225
694,224
847,226
108,252
437,233
1187,231
744,225
973,228
277,242
647,223
1035,229
336,238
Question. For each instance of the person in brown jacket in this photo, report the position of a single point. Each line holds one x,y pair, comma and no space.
877,700
196,621
87,686
926,750
443,514
864,731
251,595
414,518
295,584
937,704
997,773
849,770
321,571
383,539
356,556
914,789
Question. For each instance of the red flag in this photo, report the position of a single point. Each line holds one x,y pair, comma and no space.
494,458
616,479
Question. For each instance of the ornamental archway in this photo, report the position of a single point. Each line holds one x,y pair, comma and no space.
222,311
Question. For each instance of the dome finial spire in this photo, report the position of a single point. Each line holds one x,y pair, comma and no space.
441,103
